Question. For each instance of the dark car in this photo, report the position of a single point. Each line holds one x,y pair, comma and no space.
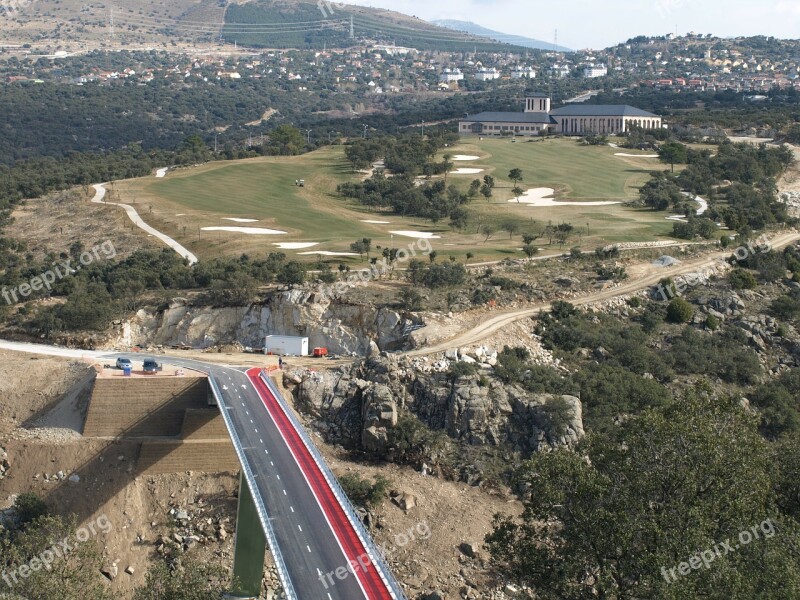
151,366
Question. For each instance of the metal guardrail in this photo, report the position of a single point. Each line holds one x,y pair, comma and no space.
261,509
375,555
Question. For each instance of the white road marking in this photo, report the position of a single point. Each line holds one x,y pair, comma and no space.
300,528
309,549
291,508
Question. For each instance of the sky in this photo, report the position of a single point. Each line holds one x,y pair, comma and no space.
599,24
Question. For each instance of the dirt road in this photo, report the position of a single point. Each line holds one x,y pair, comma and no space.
651,275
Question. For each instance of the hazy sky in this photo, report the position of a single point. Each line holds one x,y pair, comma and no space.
598,23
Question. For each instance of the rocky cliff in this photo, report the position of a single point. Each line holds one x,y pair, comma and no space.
358,406
342,327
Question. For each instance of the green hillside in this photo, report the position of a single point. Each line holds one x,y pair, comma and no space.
299,24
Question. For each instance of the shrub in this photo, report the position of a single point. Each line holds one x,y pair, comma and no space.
680,311
741,279
561,310
461,369
410,300
363,492
29,507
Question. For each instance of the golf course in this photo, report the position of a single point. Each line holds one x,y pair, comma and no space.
256,206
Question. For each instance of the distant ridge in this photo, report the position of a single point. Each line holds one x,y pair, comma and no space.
516,40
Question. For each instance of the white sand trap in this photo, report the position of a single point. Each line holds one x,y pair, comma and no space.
464,157
542,198
296,245
702,209
236,220
378,222
247,230
465,171
162,172
419,235
636,155
181,215
326,253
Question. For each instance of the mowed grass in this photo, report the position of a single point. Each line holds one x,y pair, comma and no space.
264,189
576,172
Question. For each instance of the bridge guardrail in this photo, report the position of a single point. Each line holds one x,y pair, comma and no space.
263,515
375,555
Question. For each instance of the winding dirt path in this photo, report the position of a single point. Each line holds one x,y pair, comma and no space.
99,196
651,276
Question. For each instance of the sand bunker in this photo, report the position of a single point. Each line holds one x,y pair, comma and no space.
247,230
702,209
296,245
464,171
542,198
236,220
463,157
636,155
419,235
162,172
378,222
326,253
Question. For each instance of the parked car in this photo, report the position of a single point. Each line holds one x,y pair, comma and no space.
124,363
151,366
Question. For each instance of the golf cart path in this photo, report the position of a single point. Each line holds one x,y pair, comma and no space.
100,194
494,324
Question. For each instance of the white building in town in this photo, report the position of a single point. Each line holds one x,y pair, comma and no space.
571,119
595,71
487,74
523,73
451,75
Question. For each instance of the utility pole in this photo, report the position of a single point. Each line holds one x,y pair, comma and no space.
423,130
308,132
352,28
365,131
111,21
215,143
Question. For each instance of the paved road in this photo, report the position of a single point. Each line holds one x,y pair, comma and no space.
302,518
99,196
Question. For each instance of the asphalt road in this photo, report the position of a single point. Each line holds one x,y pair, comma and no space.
310,549
306,540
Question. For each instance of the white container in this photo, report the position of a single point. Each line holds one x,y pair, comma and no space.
285,345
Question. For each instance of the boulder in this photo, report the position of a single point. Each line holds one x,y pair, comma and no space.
379,415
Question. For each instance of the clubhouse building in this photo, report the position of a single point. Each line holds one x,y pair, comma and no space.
573,119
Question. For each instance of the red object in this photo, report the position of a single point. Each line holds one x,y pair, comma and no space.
320,352
343,529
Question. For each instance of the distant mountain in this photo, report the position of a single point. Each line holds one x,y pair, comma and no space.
516,40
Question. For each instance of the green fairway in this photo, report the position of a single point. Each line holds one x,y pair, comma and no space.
576,172
189,200
266,191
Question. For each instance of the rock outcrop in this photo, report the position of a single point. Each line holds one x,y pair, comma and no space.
358,406
342,327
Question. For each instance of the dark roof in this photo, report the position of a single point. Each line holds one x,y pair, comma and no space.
509,117
537,95
600,110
